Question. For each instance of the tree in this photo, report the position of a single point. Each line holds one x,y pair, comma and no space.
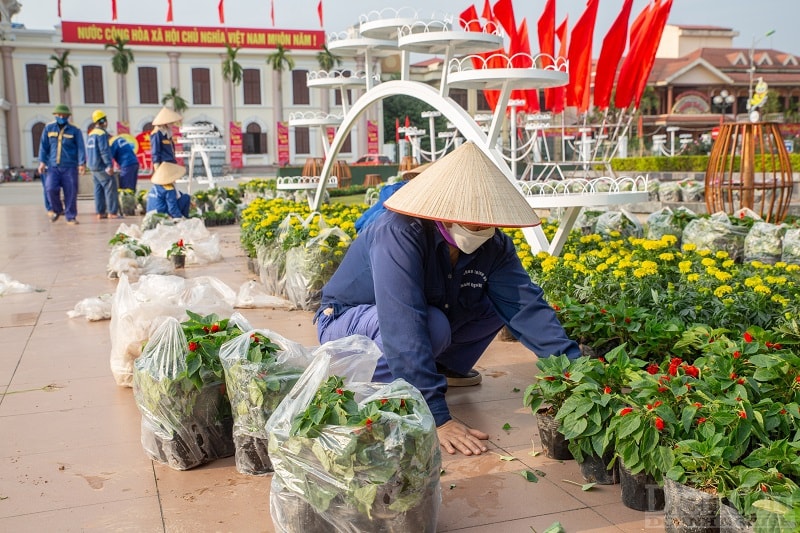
65,71
121,60
327,61
232,73
178,103
280,60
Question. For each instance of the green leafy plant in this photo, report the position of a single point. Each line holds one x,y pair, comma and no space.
139,249
205,335
178,248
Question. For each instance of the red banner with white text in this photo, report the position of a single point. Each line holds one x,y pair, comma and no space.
283,143
169,35
236,144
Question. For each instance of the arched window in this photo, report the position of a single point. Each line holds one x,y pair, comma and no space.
255,142
36,136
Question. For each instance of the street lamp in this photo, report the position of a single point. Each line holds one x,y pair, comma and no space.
752,69
723,100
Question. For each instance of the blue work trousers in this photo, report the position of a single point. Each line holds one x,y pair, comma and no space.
66,179
456,350
106,199
128,177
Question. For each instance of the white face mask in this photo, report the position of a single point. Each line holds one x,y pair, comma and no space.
468,241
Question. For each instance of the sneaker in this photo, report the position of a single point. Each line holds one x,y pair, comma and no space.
54,216
454,379
73,222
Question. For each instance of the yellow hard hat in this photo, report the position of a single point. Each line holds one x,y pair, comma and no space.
98,115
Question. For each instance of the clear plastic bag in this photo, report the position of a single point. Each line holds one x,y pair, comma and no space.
94,309
716,233
620,221
182,426
310,266
261,367
135,308
381,475
669,191
790,252
12,286
252,295
764,242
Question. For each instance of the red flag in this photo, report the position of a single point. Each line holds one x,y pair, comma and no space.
546,27
628,71
559,93
221,10
169,11
610,54
523,44
272,11
319,13
580,58
487,11
650,47
113,9
468,19
503,12
59,8
397,130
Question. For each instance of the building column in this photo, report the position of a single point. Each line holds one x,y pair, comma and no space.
670,100
174,73
12,116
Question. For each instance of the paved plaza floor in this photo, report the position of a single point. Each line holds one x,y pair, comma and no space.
70,451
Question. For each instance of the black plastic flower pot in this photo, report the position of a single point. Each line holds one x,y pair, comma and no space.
178,261
553,441
640,491
252,457
689,510
595,469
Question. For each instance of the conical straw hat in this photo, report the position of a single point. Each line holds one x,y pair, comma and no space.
166,116
167,173
466,187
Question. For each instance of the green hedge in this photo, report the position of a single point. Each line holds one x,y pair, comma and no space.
680,163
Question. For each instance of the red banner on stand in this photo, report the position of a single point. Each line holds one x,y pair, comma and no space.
236,144
330,131
143,153
283,143
372,137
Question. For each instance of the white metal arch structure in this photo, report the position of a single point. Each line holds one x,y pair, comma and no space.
462,121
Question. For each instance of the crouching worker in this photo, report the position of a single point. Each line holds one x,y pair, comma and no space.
163,196
432,281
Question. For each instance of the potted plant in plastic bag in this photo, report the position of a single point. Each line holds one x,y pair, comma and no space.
260,367
177,252
353,455
186,419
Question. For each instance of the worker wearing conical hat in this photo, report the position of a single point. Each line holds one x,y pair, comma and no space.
432,281
163,197
162,146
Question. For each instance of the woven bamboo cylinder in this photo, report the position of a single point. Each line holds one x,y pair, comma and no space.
749,167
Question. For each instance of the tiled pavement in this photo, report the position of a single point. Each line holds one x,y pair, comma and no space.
70,456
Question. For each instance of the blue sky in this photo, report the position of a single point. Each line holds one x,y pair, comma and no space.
751,19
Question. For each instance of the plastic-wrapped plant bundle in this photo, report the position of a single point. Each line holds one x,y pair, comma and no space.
764,243
791,247
261,367
692,191
621,222
310,266
587,219
669,191
716,233
183,425
127,202
350,455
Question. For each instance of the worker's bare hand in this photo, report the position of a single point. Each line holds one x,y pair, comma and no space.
454,436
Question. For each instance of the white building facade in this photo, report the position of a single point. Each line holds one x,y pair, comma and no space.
192,65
